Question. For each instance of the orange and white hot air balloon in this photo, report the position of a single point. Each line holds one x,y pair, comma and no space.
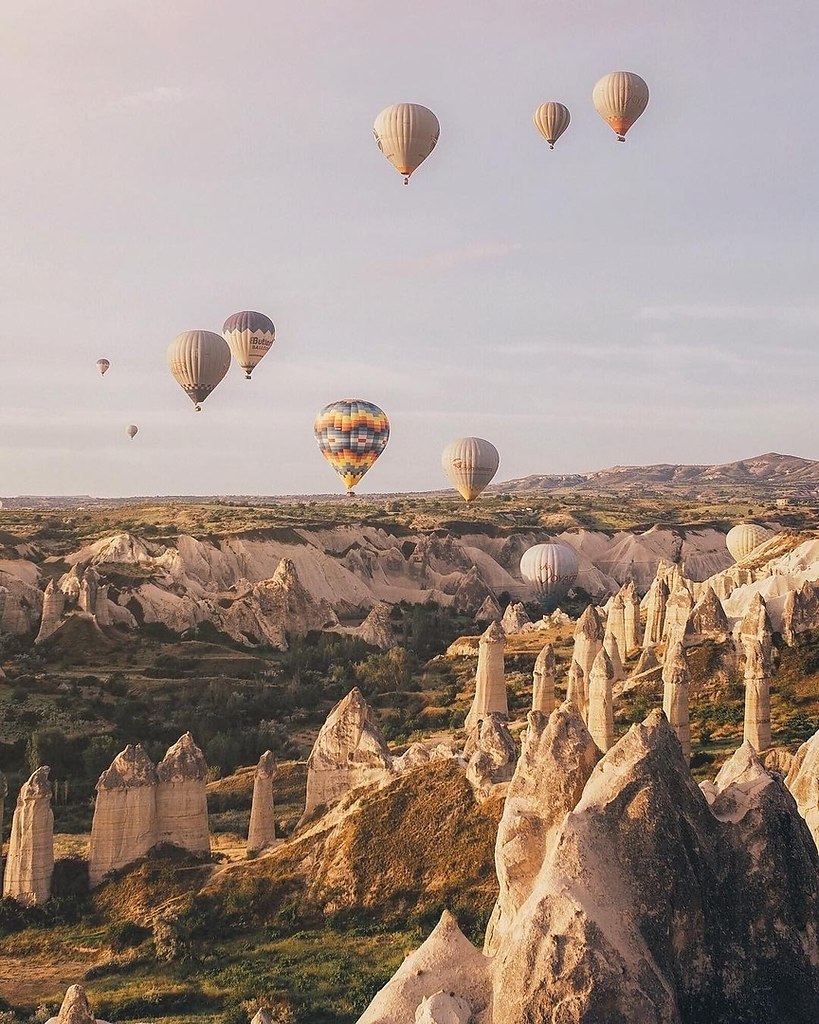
551,120
619,98
406,133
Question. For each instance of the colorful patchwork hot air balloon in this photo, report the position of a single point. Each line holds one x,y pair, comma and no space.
198,361
351,434
250,337
406,133
102,366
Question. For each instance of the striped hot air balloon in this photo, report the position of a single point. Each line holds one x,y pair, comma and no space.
198,361
102,366
620,98
351,434
470,463
743,538
406,133
551,568
551,120
250,337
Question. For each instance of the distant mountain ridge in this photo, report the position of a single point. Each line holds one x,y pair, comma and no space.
771,470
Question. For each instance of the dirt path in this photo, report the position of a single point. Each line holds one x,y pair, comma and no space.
26,980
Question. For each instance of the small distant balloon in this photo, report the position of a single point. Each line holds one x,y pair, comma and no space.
620,98
406,133
743,538
551,120
250,337
470,463
551,568
102,366
198,361
132,431
351,434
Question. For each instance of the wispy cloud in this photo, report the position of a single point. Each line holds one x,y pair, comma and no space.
448,259
807,316
160,95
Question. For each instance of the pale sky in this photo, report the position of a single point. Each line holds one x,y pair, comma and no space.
165,163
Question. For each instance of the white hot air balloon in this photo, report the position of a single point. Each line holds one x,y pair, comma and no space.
743,538
250,337
551,568
102,366
619,98
132,431
198,361
406,133
551,120
470,463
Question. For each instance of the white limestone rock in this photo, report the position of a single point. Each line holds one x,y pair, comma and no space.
491,754
612,648
708,617
415,756
616,627
588,642
757,725
376,630
262,829
30,860
601,702
75,1009
490,679
515,618
655,613
631,616
350,751
543,681
677,613
489,611
181,799
124,827
443,1008
803,782
53,605
446,962
676,680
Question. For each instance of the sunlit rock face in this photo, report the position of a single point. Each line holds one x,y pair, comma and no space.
490,679
676,684
543,681
803,782
181,800
124,827
262,829
490,753
350,751
30,860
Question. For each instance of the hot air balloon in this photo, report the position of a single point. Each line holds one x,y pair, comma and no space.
619,98
551,568
406,133
250,337
743,538
132,431
198,360
102,366
351,434
470,463
551,120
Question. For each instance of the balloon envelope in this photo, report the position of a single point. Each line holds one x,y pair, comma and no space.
743,538
619,98
551,120
351,434
198,361
406,133
102,366
250,337
470,463
133,430
551,568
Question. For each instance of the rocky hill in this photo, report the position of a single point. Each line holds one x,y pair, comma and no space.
778,472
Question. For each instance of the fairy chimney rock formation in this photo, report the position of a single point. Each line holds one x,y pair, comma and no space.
800,611
600,718
803,782
446,962
491,754
575,688
89,587
488,611
756,625
557,758
588,642
612,648
757,728
676,680
616,626
30,860
181,800
648,666
349,751
262,830
655,613
514,618
376,630
708,617
631,615
677,613
543,681
53,607
75,1009
124,826
490,680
